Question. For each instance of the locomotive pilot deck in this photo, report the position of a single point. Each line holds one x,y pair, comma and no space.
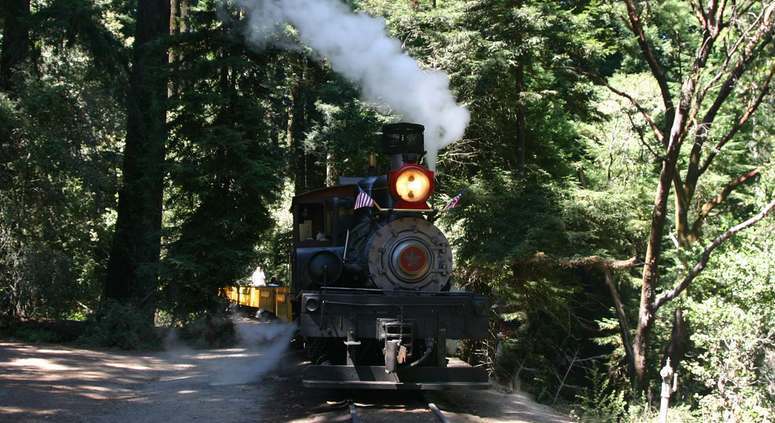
355,312
457,375
355,315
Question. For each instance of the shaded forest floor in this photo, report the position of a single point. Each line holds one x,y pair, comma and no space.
46,382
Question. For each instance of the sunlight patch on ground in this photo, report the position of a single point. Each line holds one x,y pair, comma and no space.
221,355
40,363
53,351
94,388
20,410
124,365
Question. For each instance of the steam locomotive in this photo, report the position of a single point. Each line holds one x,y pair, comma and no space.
371,275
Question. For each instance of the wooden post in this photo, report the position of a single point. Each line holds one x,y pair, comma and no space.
669,385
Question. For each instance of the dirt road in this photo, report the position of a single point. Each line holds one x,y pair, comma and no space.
249,384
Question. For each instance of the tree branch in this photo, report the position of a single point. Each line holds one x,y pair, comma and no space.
599,262
541,259
699,13
689,87
642,110
730,52
643,141
762,36
667,296
654,128
681,206
621,315
742,120
656,69
721,197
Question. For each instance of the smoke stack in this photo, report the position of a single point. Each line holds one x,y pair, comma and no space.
403,142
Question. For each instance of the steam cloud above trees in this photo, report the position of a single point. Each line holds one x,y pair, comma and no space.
357,46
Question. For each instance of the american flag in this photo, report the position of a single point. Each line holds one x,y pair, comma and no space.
363,200
453,202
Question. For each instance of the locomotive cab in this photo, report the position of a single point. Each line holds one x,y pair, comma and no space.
372,277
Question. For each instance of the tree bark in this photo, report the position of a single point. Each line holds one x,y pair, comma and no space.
650,270
16,40
133,265
296,129
331,171
172,89
519,79
621,316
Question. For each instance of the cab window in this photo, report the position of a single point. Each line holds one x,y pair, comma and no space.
313,223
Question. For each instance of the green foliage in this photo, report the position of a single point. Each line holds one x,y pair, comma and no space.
601,401
46,331
209,331
732,310
273,250
530,220
120,326
224,177
58,183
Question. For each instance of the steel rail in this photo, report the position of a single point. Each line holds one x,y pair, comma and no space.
437,412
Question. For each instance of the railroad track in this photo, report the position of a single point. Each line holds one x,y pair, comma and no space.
355,410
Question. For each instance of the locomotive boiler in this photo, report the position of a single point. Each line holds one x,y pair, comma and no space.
372,275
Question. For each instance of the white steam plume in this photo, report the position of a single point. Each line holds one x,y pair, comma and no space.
358,47
260,350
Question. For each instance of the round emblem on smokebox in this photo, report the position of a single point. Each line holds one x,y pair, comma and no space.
410,260
409,253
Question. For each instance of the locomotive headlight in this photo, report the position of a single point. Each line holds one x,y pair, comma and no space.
413,186
312,304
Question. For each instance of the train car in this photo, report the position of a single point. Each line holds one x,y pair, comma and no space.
272,299
371,278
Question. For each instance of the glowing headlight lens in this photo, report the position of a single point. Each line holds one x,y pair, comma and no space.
413,186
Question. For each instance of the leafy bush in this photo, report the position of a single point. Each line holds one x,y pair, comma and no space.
121,326
601,402
209,331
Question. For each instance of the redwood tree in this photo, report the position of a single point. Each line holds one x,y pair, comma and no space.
16,40
134,258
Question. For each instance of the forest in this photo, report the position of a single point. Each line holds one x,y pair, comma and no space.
617,177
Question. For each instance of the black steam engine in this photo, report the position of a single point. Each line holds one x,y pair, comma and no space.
372,277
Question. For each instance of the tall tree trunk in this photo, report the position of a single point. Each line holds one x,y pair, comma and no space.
332,173
651,271
16,40
658,219
183,23
519,78
134,258
296,128
309,171
172,87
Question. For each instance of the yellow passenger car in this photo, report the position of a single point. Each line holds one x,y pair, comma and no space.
274,299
